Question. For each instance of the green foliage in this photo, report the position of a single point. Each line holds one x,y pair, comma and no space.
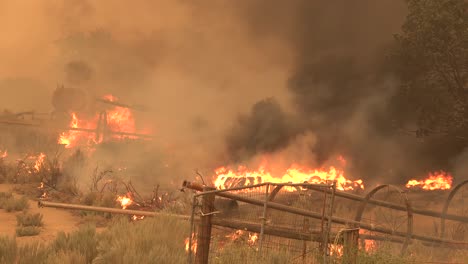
26,219
430,58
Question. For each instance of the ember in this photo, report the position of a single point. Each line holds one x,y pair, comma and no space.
236,235
252,239
194,244
435,181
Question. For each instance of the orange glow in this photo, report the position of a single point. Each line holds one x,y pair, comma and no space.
252,239
336,250
294,174
440,180
72,138
121,119
117,119
194,244
369,245
39,162
135,217
235,235
125,201
4,154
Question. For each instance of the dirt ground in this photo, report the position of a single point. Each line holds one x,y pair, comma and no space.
55,220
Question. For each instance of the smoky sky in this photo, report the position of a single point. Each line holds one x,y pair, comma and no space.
224,80
341,82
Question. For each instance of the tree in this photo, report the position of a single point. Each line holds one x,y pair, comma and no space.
431,56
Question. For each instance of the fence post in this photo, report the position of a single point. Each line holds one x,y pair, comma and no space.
350,245
204,230
264,216
327,231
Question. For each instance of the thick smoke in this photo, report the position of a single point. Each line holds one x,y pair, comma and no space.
341,82
265,130
197,66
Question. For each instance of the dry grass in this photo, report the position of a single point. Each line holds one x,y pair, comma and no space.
12,204
158,240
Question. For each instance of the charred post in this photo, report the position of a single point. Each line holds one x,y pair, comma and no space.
204,233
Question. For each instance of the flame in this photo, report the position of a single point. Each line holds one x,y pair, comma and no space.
294,174
4,155
136,217
72,138
235,235
252,239
336,250
41,188
440,180
117,119
125,200
194,244
39,162
369,245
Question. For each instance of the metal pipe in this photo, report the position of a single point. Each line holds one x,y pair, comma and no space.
108,210
90,130
394,206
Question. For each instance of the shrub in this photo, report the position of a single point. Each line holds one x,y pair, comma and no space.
25,219
13,204
27,231
4,196
82,242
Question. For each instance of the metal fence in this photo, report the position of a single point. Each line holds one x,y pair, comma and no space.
312,222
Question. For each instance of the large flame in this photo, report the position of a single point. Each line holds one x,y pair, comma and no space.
73,138
118,119
294,174
440,180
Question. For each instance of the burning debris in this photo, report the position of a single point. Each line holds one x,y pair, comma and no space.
294,174
435,181
125,200
116,123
